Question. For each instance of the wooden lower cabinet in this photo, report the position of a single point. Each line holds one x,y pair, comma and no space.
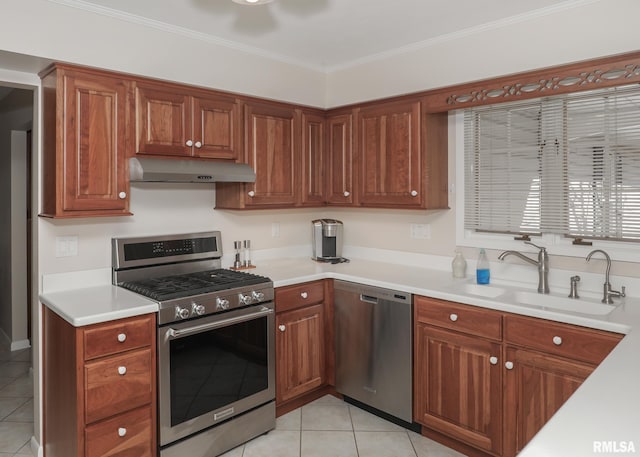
99,390
304,342
460,394
300,351
489,381
458,377
535,388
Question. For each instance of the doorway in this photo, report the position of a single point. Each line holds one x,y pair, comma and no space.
16,123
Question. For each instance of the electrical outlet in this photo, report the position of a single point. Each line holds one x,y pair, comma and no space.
66,246
420,231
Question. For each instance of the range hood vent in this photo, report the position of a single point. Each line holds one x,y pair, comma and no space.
196,171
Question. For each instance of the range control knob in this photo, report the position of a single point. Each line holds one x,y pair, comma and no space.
222,303
197,309
257,296
182,313
245,299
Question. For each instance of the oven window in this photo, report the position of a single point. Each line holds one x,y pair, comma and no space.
213,369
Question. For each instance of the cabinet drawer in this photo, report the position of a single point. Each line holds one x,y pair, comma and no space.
305,294
462,318
122,335
117,384
128,434
579,343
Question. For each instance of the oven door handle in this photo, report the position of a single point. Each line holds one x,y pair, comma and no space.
173,333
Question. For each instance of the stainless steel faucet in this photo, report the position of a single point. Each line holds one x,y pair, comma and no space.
608,292
542,263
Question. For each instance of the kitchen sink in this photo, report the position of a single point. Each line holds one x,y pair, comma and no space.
483,290
576,305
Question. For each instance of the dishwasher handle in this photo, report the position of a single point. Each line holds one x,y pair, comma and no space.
369,299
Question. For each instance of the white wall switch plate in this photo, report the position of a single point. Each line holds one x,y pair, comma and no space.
275,229
66,246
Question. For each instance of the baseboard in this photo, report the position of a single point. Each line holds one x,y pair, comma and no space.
36,449
20,344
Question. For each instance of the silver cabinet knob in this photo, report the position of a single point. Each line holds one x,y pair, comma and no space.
304,294
122,371
414,193
453,317
508,365
346,193
122,195
122,431
122,337
198,144
282,328
493,360
251,193
557,340
189,143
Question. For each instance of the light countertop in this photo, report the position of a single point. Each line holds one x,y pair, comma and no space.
605,409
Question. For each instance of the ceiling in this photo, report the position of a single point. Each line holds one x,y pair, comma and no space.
324,34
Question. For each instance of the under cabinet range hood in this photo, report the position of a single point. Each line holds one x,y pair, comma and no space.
197,171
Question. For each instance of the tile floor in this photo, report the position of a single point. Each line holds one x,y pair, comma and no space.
16,403
329,427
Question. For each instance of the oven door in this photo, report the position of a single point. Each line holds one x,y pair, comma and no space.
213,368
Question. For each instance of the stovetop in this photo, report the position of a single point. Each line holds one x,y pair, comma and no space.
185,285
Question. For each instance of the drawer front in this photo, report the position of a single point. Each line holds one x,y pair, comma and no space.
291,297
128,434
118,336
578,343
462,318
117,384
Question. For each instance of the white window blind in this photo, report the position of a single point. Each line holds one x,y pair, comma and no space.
567,165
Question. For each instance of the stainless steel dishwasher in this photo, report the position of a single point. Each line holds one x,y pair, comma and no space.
374,347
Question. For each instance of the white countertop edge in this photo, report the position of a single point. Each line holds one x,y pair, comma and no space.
97,304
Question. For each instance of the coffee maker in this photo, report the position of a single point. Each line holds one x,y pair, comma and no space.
327,240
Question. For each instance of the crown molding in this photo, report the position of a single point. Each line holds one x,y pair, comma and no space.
325,69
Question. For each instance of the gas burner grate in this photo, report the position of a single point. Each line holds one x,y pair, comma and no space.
178,286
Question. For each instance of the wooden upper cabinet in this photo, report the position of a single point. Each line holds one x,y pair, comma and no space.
340,186
173,120
391,171
313,160
272,138
85,138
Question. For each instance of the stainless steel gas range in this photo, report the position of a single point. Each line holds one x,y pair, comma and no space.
216,341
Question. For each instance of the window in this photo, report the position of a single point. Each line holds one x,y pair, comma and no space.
567,165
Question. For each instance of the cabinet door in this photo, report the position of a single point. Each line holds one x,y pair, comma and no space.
340,185
390,156
458,386
94,144
216,127
271,145
535,388
313,163
163,120
299,352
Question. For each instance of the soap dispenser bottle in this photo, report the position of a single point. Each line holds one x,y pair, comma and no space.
459,265
483,274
